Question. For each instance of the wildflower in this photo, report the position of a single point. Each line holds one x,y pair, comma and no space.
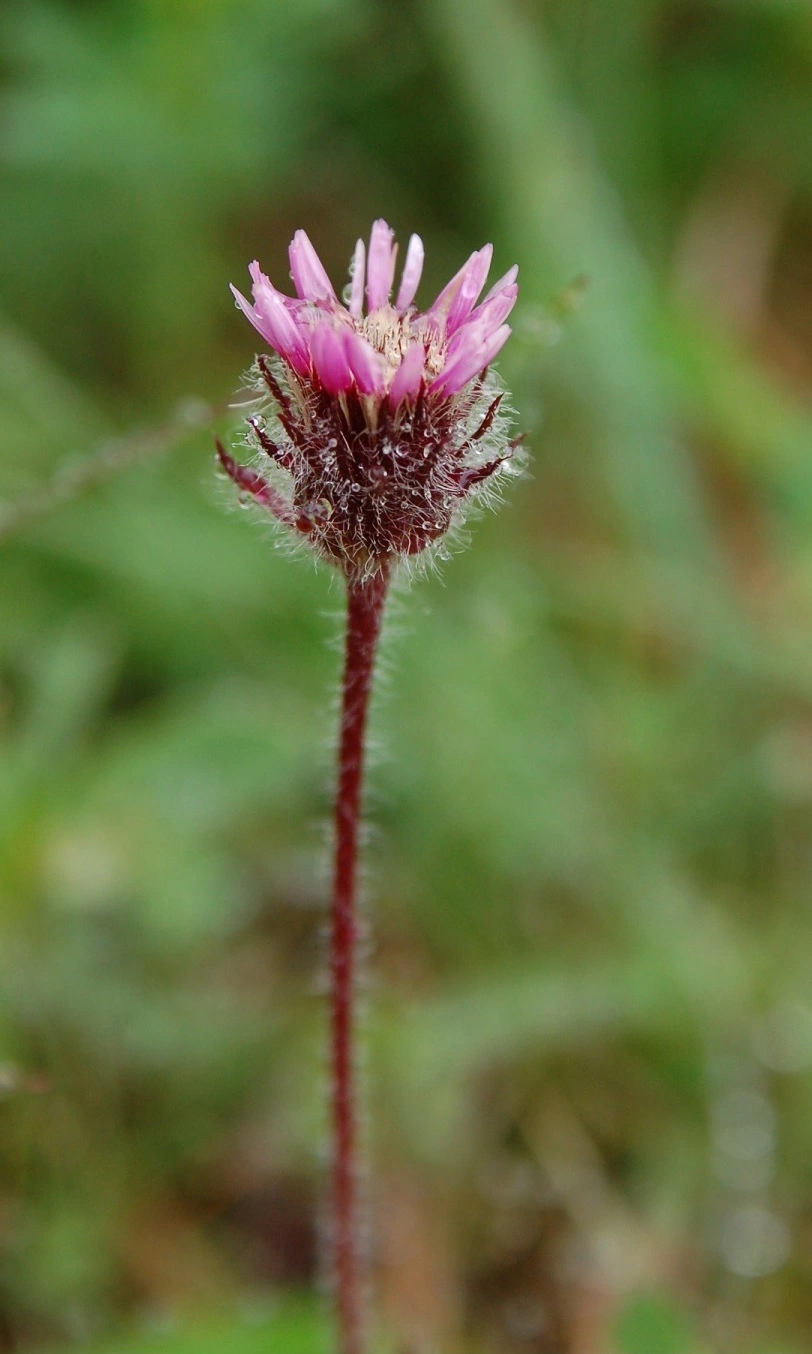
380,425
385,418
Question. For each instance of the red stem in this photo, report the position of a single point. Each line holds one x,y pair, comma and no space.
365,606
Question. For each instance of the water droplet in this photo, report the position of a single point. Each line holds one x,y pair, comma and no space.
332,443
346,292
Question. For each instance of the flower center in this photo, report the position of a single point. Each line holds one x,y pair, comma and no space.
392,335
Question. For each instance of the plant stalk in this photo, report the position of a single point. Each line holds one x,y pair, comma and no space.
366,599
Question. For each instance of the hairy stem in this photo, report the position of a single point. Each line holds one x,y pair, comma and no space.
365,606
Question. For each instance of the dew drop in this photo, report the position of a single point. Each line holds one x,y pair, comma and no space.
346,292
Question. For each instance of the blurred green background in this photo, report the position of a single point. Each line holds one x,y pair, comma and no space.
589,1015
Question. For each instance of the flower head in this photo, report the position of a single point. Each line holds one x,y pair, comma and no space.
384,418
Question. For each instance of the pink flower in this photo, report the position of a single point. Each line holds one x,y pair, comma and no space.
384,420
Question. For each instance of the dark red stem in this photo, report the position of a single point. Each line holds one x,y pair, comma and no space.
365,605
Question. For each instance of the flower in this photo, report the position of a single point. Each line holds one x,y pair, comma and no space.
384,422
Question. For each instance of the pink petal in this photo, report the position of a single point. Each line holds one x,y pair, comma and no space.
380,265
486,318
412,270
309,277
445,300
264,290
271,318
357,276
408,377
473,281
247,309
506,280
471,359
366,365
330,359
440,306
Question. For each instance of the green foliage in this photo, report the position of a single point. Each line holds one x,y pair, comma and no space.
292,1329
649,1325
589,1017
